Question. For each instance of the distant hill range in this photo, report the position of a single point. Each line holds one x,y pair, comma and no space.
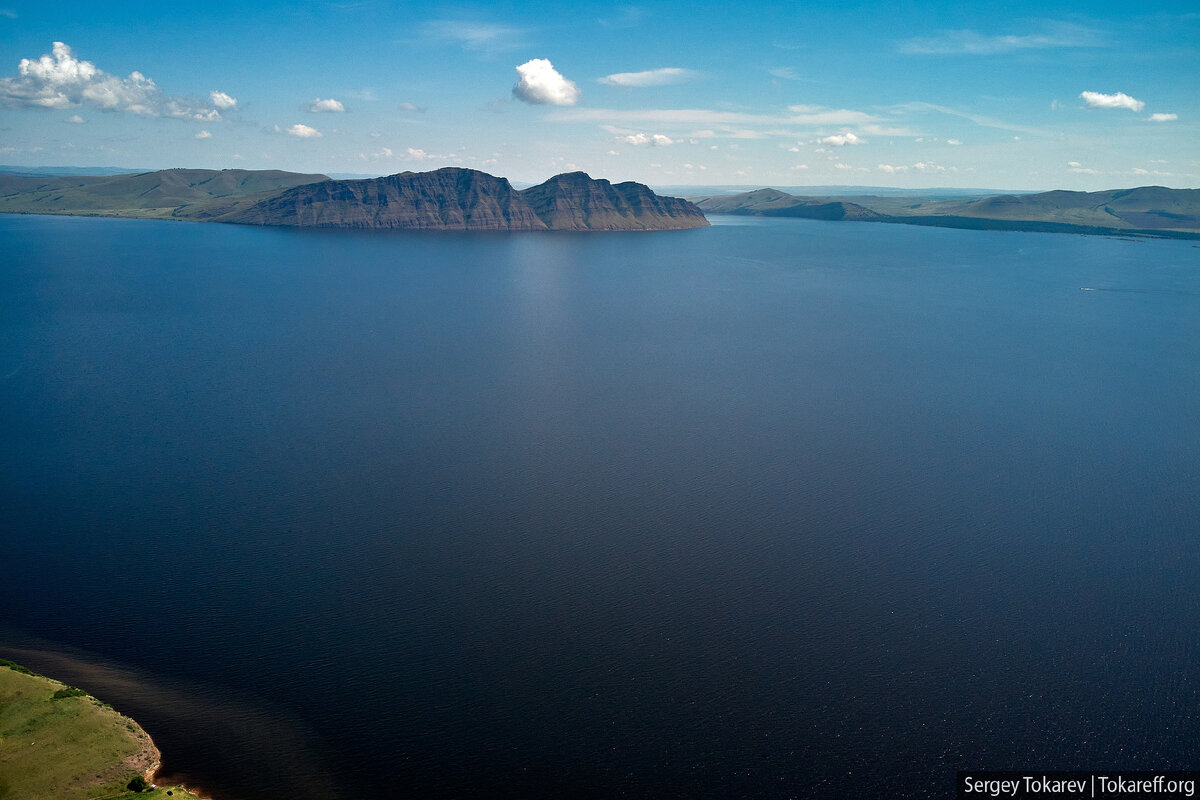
1145,211
445,199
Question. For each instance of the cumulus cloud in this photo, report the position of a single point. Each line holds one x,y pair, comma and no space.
203,135
891,169
541,84
303,132
319,106
652,139
1118,100
75,118
60,80
842,139
1075,166
222,100
652,77
1162,117
954,142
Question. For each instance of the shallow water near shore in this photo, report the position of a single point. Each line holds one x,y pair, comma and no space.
774,508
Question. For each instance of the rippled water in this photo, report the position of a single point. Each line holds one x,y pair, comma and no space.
775,508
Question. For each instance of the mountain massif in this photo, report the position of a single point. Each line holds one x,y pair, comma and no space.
454,198
1145,211
446,199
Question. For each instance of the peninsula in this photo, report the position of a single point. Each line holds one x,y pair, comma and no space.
1143,211
59,743
451,198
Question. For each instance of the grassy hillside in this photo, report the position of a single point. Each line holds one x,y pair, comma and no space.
58,743
1145,211
172,193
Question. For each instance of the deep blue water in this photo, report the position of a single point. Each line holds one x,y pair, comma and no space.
777,508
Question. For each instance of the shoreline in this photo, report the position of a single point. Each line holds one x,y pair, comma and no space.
74,741
226,743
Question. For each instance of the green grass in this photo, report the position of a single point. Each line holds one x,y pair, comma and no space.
58,743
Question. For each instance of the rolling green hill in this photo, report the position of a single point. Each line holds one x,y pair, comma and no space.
59,743
172,193
1145,211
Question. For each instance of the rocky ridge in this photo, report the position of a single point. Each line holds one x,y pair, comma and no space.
455,198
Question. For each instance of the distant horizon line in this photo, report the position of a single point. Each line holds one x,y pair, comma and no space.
68,170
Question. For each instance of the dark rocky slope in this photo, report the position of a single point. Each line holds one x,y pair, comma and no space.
465,199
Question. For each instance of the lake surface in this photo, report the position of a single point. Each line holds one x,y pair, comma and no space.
777,508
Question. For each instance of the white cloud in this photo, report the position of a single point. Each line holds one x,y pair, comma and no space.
203,135
222,100
1118,100
800,166
842,139
954,142
786,73
319,106
411,107
75,118
801,115
541,84
1159,117
1076,167
652,77
892,170
652,139
303,132
968,42
978,119
60,80
842,166
476,36
419,154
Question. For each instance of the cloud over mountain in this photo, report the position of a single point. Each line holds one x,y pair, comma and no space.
541,84
60,80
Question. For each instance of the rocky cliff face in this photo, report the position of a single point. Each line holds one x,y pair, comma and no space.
576,202
466,199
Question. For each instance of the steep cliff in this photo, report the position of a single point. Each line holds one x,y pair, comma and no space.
464,199
576,202
448,199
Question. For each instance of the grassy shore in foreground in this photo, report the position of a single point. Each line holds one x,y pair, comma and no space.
59,743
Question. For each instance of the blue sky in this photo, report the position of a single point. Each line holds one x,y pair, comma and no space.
1028,96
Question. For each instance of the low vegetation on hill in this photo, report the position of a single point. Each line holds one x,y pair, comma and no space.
446,199
59,743
1145,211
